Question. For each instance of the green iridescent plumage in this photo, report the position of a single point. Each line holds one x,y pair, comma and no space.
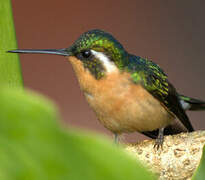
149,74
155,81
101,41
95,67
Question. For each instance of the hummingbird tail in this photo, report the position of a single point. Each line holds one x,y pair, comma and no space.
191,104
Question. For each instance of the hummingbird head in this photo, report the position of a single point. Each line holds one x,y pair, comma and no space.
98,51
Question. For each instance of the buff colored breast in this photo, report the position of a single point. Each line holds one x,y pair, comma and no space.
120,105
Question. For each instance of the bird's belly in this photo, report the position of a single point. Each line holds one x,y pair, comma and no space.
126,107
121,113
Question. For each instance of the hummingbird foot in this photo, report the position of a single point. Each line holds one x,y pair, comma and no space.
160,139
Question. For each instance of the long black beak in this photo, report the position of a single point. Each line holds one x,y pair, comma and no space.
62,52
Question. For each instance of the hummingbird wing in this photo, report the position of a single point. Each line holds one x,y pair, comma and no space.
155,81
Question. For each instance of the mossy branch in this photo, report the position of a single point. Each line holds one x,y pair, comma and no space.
178,159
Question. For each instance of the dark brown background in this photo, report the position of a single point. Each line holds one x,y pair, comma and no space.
172,33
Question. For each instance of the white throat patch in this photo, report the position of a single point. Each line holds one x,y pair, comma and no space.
108,65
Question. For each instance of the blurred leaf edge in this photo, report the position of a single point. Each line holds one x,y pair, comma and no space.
199,173
30,123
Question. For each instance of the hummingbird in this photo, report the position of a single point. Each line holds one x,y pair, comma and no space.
128,93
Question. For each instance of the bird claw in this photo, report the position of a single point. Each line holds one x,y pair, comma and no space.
159,143
160,139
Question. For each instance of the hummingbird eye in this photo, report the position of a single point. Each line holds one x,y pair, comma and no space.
86,54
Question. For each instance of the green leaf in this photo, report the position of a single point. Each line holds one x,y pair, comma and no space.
33,145
200,171
10,71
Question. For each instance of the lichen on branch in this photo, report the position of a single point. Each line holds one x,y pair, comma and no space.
178,159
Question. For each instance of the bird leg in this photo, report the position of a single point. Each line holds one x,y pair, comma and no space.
160,139
116,141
